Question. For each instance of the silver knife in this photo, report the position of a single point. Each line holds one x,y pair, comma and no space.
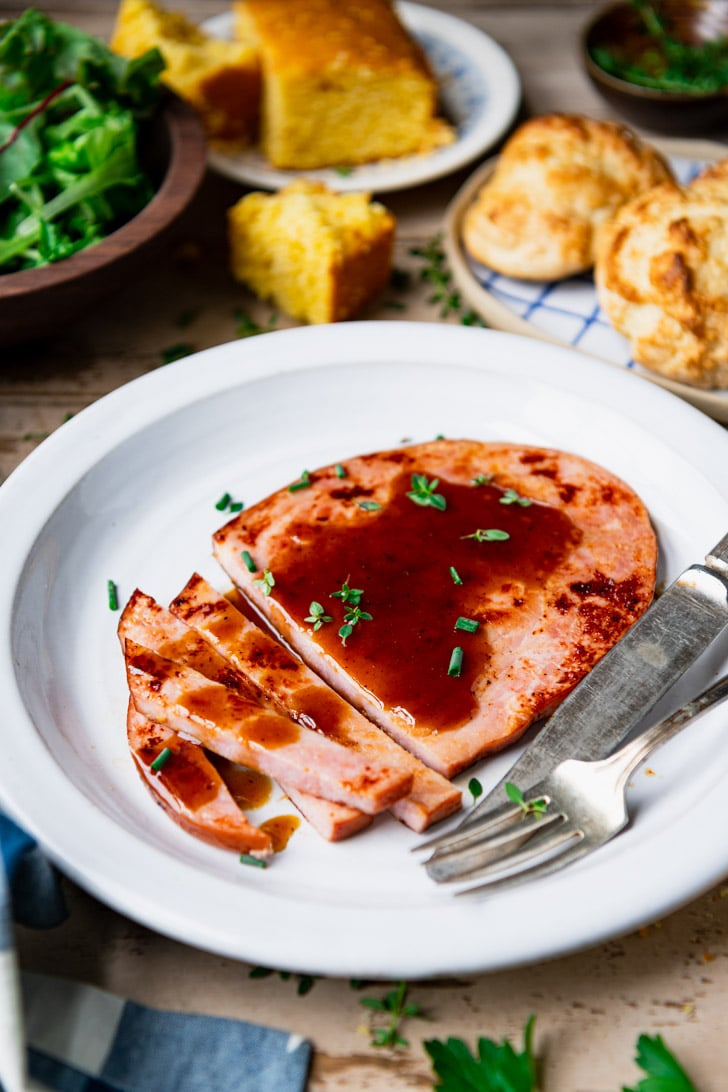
625,684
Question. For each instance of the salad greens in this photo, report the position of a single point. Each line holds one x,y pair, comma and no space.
69,111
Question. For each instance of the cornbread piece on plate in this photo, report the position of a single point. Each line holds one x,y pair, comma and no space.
319,255
531,562
343,83
557,178
662,278
220,79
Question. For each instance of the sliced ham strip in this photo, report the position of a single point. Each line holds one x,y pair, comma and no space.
550,556
190,789
300,693
239,729
150,625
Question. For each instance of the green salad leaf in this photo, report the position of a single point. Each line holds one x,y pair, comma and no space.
69,115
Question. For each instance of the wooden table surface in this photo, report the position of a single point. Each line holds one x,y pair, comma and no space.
671,977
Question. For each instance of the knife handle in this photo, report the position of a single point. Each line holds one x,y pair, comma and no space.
718,557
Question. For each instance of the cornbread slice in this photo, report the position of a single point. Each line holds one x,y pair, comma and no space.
220,79
319,255
343,82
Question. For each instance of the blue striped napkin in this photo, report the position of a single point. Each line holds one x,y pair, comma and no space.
82,1039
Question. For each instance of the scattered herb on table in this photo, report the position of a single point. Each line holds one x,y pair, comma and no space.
248,327
396,1005
305,983
69,113
497,1067
177,352
664,1072
528,807
423,493
436,273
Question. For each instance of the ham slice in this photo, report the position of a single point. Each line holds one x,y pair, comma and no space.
298,692
545,557
148,624
239,729
190,789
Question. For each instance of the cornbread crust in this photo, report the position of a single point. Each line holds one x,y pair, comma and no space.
220,79
557,178
662,278
343,83
319,255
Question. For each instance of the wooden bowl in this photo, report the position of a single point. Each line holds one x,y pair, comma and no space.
688,113
36,302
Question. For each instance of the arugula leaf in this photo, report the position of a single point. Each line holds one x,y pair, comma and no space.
497,1067
664,1073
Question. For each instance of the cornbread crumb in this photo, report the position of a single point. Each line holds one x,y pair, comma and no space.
318,255
343,83
220,79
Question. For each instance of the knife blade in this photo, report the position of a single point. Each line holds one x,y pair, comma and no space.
625,684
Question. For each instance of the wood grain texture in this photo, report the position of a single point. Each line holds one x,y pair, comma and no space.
672,977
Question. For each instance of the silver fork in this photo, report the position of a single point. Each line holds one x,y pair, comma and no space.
575,809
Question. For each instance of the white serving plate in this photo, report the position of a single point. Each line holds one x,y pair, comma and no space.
126,491
480,95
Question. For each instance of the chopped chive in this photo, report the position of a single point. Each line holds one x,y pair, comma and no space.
249,563
162,759
469,625
112,594
223,502
456,662
369,506
456,578
237,506
303,482
247,858
340,471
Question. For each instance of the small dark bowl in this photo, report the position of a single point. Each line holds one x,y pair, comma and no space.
696,113
37,302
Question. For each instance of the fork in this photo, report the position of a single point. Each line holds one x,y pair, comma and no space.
575,809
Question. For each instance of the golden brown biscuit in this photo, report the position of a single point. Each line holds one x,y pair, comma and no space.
662,278
558,177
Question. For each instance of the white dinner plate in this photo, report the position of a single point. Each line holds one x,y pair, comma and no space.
567,311
480,92
126,491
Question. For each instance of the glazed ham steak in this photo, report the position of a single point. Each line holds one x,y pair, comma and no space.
452,591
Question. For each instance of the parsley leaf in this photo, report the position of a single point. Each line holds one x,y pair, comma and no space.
664,1073
496,1068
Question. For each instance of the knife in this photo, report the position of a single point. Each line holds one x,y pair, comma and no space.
624,685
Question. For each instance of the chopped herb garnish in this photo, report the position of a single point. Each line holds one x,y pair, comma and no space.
223,502
303,482
237,506
35,436
316,616
423,492
267,583
369,506
482,479
664,1072
456,578
528,807
495,1067
469,625
256,862
352,615
112,595
511,497
248,327
492,534
177,352
340,471
162,759
249,563
347,594
475,788
186,318
436,273
456,662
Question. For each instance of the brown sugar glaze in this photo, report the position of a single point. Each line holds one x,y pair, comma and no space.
401,556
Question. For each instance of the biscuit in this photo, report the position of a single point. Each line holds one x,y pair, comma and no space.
558,177
662,278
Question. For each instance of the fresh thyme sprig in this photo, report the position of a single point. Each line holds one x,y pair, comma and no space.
317,617
396,1005
423,493
491,534
512,497
267,582
436,273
